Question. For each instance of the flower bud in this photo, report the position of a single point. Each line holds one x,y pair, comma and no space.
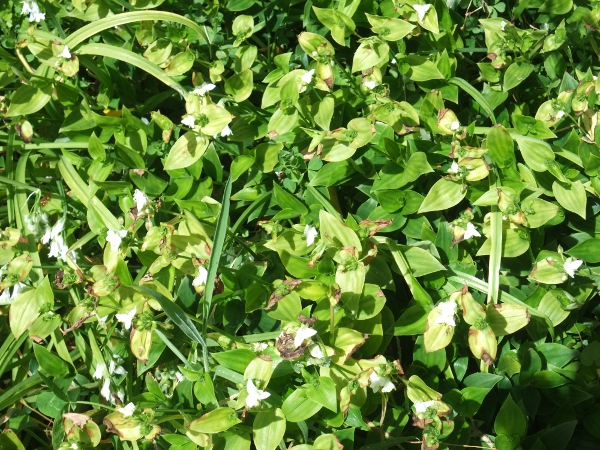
25,131
482,342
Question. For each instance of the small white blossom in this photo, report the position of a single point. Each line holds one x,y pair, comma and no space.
454,168
188,121
503,25
102,321
571,265
471,231
6,297
65,53
259,346
424,134
179,376
99,372
115,238
308,76
116,369
302,334
560,114
105,391
455,125
226,131
421,10
370,84
140,199
393,61
74,446
310,233
58,249
127,410
52,232
200,279
379,383
203,89
447,310
30,223
315,351
421,407
255,395
127,318
31,7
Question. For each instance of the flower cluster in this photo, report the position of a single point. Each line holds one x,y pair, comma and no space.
32,8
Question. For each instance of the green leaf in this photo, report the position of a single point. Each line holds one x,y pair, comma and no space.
49,362
268,429
175,313
388,28
131,58
510,419
477,96
501,147
298,406
323,392
538,155
515,74
29,99
443,194
419,68
240,85
216,421
588,251
334,230
188,149
412,321
571,196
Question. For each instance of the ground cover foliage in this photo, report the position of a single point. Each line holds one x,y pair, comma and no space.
299,224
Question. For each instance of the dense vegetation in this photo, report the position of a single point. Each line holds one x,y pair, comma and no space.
299,224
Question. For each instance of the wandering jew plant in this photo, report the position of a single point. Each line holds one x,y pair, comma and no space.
257,224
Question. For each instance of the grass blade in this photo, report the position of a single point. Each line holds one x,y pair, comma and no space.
465,86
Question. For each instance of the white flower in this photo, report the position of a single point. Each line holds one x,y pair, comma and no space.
226,131
381,383
52,232
421,407
99,372
302,334
126,319
74,446
31,7
393,61
571,265
105,391
102,321
315,351
200,279
455,126
454,168
447,310
140,199
127,410
58,249
6,298
421,10
259,346
179,376
424,134
115,369
503,25
369,84
30,223
255,395
115,238
203,89
65,53
310,233
120,395
471,231
188,121
560,114
308,76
